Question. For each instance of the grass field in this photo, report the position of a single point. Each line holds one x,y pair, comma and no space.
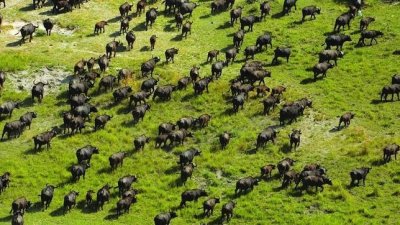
354,85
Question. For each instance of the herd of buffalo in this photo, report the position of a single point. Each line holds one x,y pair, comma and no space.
251,78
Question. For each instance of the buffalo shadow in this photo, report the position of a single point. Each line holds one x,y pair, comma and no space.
27,8
178,37
115,34
308,80
87,209
50,13
224,26
278,15
111,217
228,112
251,151
177,183
66,182
140,27
114,20
206,16
169,28
145,49
106,170
58,212
189,97
285,148
378,101
14,44
36,207
378,162
7,218
217,221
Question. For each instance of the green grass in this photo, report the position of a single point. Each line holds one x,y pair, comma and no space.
352,86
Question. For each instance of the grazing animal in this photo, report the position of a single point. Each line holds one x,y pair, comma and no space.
90,64
187,8
328,55
8,107
281,52
166,128
27,30
202,84
85,153
170,53
44,139
317,181
250,51
14,128
185,123
124,25
112,47
79,67
236,14
238,101
125,204
38,90
17,218
294,139
48,25
27,118
390,90
140,142
289,177
164,92
359,174
148,66
209,205
284,166
265,8
77,87
267,170
266,135
249,21
365,21
89,197
103,195
224,139
336,40
227,210
290,113
263,40
79,170
178,20
187,28
390,150
139,97
217,67
70,200
346,118
287,6
153,39
270,103
125,8
321,68
117,159
179,136
342,20
262,90
191,195
203,120
84,110
245,184
161,140
278,90
20,205
78,100
396,79
310,11
141,6
103,62
130,38
184,82
125,183
238,38
149,85
121,94
101,121
164,218
151,17
187,157
369,34
2,73
187,171
46,195
99,27
212,54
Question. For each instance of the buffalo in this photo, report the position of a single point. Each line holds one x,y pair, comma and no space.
89,197
139,112
124,25
263,40
238,101
191,195
84,110
112,47
90,64
70,200
249,21
267,170
85,153
151,17
390,150
290,113
27,118
227,210
130,38
170,53
390,90
37,90
285,165
317,181
236,14
78,100
103,195
238,38
294,139
186,172
79,67
365,21
216,68
266,135
310,11
321,68
184,82
187,28
179,136
2,73
369,34
224,139
265,8
8,107
153,39
359,174
245,184
342,20
212,54
187,8
14,128
336,40
124,74
27,30
164,218
125,204
17,218
202,84
289,177
44,139
121,94
161,140
117,159
46,195
77,87
178,20
346,118
262,90
125,183
148,66
187,157
203,120
125,8
79,170
396,79
185,123
148,85
166,128
250,51
21,205
107,82
99,27
48,25
101,121
209,205
103,62
287,6
139,97
270,103
281,52
140,142
328,55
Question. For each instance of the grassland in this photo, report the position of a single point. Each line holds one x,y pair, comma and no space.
352,86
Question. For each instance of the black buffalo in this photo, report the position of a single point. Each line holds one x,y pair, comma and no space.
139,112
78,100
164,92
186,172
321,68
125,8
166,128
140,142
244,184
130,37
8,107
48,25
227,210
269,103
328,55
390,90
267,170
216,68
249,21
139,97
153,39
266,135
212,54
224,139
185,123
124,74
202,84
101,121
14,128
184,82
365,21
21,205
103,62
369,34
121,94
125,204
79,170
27,30
238,101
100,27
209,205
187,157
290,113
117,159
191,195
77,87
238,38
390,150
112,47
70,200
346,118
236,14
287,6
187,28
148,66
250,51
265,8
187,8
342,20
317,181
17,218
124,25
294,138
336,40
170,54
27,118
310,11
179,136
85,153
46,195
281,52
2,73
263,40
359,174
103,195
125,183
151,17
84,110
44,139
38,90
203,120
285,165
164,218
